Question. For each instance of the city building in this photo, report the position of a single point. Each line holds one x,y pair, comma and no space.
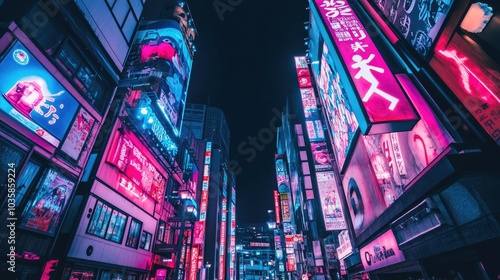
255,251
60,72
399,120
91,118
218,196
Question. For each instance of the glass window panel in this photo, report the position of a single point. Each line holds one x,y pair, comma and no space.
25,180
86,76
95,218
69,58
96,93
106,215
112,224
111,2
145,240
47,35
120,10
133,233
129,26
136,7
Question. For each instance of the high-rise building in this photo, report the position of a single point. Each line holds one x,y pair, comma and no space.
91,115
209,123
60,63
218,201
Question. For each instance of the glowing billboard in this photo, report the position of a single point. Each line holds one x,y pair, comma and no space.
380,101
331,207
361,190
78,134
160,58
33,97
129,155
340,115
381,252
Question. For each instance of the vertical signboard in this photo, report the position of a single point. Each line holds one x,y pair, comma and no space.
381,103
277,210
340,116
331,207
222,241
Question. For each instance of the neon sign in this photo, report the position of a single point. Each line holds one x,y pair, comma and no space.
384,106
127,155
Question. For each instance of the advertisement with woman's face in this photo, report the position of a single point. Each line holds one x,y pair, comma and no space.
364,198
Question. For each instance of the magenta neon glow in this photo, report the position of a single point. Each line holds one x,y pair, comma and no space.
382,98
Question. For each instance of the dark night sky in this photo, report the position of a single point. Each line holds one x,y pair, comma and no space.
244,66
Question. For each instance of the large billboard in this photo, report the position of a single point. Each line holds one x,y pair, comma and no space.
33,97
160,58
418,22
366,201
129,155
340,115
381,104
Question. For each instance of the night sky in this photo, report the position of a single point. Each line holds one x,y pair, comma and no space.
244,66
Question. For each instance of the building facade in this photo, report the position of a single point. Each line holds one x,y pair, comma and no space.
406,94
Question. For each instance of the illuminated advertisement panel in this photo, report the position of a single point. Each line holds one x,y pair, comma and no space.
309,104
419,22
277,206
361,189
321,156
199,233
222,241
159,57
331,207
127,154
33,97
381,252
78,134
205,182
47,203
315,130
473,80
193,264
340,115
285,208
301,66
345,247
232,244
397,158
384,106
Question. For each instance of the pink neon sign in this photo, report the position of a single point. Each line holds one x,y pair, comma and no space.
383,101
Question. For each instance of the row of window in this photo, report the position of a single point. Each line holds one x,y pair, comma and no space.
109,223
71,60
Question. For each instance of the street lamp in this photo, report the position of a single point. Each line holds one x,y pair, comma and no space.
208,265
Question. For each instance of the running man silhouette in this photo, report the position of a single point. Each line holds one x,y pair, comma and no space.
365,73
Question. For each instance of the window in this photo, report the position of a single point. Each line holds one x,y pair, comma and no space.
145,241
161,231
133,233
69,58
126,14
107,223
